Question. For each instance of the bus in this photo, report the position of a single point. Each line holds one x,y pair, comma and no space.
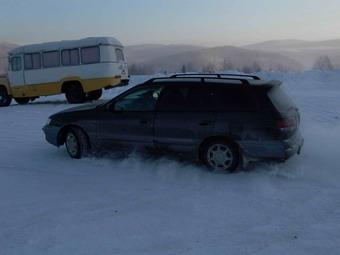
80,69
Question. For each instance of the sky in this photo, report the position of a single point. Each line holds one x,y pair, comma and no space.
197,22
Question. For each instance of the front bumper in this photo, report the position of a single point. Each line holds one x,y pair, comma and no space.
51,134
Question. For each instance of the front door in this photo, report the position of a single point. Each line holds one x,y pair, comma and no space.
16,71
129,120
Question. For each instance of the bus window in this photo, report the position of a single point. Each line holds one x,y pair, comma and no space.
120,55
51,59
16,64
32,61
90,55
70,57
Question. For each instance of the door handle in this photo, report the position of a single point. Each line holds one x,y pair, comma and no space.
205,123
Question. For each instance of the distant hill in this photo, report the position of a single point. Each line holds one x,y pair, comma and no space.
306,52
147,52
4,48
209,59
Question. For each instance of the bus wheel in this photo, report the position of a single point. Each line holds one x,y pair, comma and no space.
22,100
5,99
75,95
94,95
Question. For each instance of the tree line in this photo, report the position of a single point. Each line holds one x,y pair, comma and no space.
323,63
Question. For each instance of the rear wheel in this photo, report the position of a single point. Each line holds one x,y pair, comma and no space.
75,94
22,100
76,143
94,95
5,99
220,155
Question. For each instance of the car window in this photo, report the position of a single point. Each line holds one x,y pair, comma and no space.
185,98
174,98
234,99
140,100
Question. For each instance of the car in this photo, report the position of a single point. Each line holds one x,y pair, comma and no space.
221,120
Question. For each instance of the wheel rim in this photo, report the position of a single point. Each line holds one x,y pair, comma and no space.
220,156
72,144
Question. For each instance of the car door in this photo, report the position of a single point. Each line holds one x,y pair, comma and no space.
183,117
129,120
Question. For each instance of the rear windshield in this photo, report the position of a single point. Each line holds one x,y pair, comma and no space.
279,98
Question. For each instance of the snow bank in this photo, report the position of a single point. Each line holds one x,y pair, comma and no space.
51,204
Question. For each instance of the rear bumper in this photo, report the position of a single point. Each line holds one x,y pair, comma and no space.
51,134
293,145
280,150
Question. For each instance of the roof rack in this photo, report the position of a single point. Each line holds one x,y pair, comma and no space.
218,75
243,81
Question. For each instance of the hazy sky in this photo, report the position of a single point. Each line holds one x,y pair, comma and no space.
200,22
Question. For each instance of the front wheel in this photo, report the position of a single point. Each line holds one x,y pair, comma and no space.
22,100
220,155
5,99
77,144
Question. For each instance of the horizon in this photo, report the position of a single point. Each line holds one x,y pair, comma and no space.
167,23
187,44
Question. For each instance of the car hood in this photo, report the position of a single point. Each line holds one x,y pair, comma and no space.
86,107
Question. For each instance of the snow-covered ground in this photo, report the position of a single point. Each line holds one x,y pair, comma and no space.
50,204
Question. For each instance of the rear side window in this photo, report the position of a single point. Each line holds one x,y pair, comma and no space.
70,57
90,55
174,99
280,100
51,59
185,98
234,99
16,64
32,61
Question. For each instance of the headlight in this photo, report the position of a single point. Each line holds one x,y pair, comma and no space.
48,122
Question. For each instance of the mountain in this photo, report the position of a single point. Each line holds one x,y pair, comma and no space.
151,58
305,52
147,52
4,48
213,59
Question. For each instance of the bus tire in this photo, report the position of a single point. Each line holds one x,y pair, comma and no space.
94,95
5,99
22,100
75,94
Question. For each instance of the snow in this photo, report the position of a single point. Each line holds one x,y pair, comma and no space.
51,204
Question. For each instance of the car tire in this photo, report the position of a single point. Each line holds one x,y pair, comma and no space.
75,94
94,95
22,100
220,155
5,99
77,143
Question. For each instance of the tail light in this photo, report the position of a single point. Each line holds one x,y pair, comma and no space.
287,124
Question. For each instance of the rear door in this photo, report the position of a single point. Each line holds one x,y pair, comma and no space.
183,117
286,114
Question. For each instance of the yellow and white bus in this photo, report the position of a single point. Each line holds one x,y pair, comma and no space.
79,68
